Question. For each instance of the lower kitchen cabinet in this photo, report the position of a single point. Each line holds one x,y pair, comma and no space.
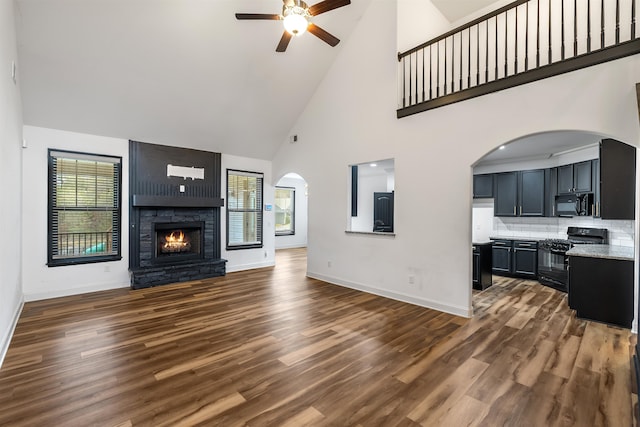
515,258
601,289
482,276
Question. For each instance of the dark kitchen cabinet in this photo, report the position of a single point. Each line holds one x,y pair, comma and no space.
595,184
525,258
601,289
550,191
515,257
501,256
482,262
617,180
520,193
483,186
506,194
575,178
531,192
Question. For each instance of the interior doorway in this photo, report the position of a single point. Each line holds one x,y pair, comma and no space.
290,206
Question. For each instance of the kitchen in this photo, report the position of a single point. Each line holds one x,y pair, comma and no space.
559,208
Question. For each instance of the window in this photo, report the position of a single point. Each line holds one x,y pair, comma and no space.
285,211
244,209
84,208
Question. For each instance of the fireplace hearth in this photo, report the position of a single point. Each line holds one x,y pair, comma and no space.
175,222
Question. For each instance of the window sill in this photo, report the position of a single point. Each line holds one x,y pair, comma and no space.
372,233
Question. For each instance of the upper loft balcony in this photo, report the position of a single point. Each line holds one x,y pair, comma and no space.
522,42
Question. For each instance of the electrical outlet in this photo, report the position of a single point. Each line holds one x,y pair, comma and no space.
412,279
329,264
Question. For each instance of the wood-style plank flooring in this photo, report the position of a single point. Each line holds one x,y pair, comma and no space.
271,347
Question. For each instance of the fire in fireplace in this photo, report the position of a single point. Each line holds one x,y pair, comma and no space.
177,242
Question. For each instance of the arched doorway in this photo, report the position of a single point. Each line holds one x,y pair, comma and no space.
290,205
577,155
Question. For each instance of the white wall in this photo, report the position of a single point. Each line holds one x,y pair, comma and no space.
245,259
10,171
433,221
40,281
299,239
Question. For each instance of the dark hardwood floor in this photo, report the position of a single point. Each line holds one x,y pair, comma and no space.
270,347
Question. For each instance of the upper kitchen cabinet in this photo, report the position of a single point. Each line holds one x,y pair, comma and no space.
506,194
483,186
520,193
574,178
617,181
531,192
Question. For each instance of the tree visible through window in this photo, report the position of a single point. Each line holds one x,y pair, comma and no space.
84,208
244,209
285,211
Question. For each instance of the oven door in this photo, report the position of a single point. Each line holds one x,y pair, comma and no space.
553,268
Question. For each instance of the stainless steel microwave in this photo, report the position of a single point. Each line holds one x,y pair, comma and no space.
574,204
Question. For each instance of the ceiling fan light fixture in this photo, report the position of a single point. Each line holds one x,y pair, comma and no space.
295,19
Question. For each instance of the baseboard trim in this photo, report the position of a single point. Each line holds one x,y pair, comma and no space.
37,296
435,305
6,340
294,246
254,266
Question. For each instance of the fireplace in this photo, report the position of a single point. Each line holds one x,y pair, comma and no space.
178,241
174,230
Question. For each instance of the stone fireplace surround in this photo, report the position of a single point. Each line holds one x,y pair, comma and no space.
159,199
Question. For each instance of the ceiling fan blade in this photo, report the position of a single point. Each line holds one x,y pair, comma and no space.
257,16
326,6
284,42
323,35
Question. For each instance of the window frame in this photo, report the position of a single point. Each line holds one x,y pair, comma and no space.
258,210
116,255
292,231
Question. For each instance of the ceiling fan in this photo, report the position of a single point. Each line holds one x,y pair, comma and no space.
296,17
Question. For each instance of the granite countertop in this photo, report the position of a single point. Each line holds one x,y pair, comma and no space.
602,251
531,239
481,242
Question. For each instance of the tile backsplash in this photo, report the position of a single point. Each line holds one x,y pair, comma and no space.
485,225
621,233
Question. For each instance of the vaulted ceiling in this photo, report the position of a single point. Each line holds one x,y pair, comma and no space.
172,72
177,72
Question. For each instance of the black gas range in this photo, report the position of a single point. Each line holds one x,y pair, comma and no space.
553,261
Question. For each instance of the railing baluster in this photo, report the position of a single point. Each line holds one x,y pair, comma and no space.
460,88
617,21
538,34
410,81
416,98
495,77
562,29
445,67
453,61
404,83
550,57
486,52
601,24
575,27
588,26
423,93
477,54
468,61
526,40
506,45
438,72
515,51
430,72
633,19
